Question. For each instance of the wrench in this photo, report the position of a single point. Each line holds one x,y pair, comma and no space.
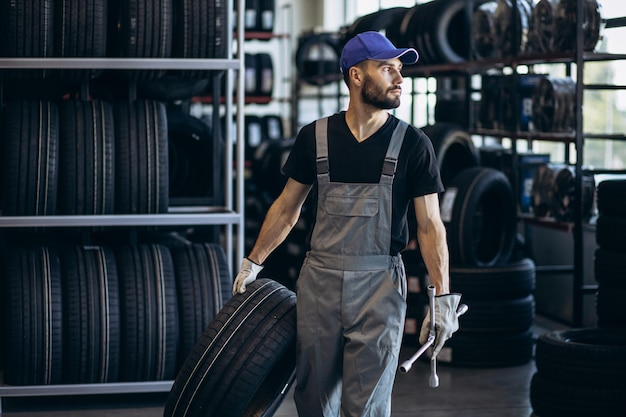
406,365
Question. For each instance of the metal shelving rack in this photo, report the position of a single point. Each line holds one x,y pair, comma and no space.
230,215
578,57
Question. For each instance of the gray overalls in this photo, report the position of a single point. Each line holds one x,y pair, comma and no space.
351,296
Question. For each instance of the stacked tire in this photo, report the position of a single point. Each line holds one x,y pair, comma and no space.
580,372
610,257
479,212
92,314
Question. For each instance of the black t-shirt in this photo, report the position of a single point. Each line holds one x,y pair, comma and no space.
350,161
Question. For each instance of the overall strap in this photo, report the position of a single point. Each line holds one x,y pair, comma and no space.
321,146
391,158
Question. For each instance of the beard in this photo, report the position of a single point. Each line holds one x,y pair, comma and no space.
375,96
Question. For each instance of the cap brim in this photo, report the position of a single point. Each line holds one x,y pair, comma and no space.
406,55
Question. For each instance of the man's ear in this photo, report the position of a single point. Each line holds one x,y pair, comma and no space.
356,75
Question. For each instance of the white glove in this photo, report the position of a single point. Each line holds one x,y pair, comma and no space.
248,272
446,321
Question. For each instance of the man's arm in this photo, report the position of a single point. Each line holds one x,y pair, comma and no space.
431,236
280,219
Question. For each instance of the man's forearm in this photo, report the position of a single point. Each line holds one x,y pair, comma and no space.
434,248
274,231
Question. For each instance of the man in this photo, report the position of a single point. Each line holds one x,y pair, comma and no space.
365,167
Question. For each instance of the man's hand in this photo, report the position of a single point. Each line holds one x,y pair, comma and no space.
248,272
446,321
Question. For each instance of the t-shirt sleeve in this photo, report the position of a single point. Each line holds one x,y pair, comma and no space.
300,164
423,175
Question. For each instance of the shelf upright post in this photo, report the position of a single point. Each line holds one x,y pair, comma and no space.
578,295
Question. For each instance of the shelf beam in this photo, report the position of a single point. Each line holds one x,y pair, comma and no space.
119,63
198,219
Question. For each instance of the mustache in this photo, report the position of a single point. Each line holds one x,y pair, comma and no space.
395,89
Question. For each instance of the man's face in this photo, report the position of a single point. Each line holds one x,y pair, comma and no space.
382,84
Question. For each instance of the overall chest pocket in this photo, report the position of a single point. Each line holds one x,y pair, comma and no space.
351,206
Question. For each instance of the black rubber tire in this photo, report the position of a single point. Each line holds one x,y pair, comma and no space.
487,350
267,164
556,399
611,195
86,165
448,31
480,215
610,232
610,268
272,127
140,29
265,75
588,357
377,21
141,158
194,165
505,282
454,149
91,314
27,31
611,314
148,303
204,285
34,324
499,316
317,58
199,32
30,158
80,31
171,88
244,363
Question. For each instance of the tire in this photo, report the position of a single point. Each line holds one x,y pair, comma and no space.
317,58
380,20
584,357
199,32
149,306
192,159
91,314
610,268
556,399
610,232
140,29
171,88
86,168
244,363
609,308
34,324
479,212
498,316
30,158
513,280
204,285
80,31
267,164
454,149
27,31
141,158
612,197
479,350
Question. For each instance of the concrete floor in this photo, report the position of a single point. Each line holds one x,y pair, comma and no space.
463,392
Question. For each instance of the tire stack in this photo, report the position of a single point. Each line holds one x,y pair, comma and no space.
553,193
610,257
93,314
479,212
580,373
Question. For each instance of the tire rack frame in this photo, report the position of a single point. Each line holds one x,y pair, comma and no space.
230,215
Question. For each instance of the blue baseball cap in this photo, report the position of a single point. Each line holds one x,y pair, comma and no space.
373,45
